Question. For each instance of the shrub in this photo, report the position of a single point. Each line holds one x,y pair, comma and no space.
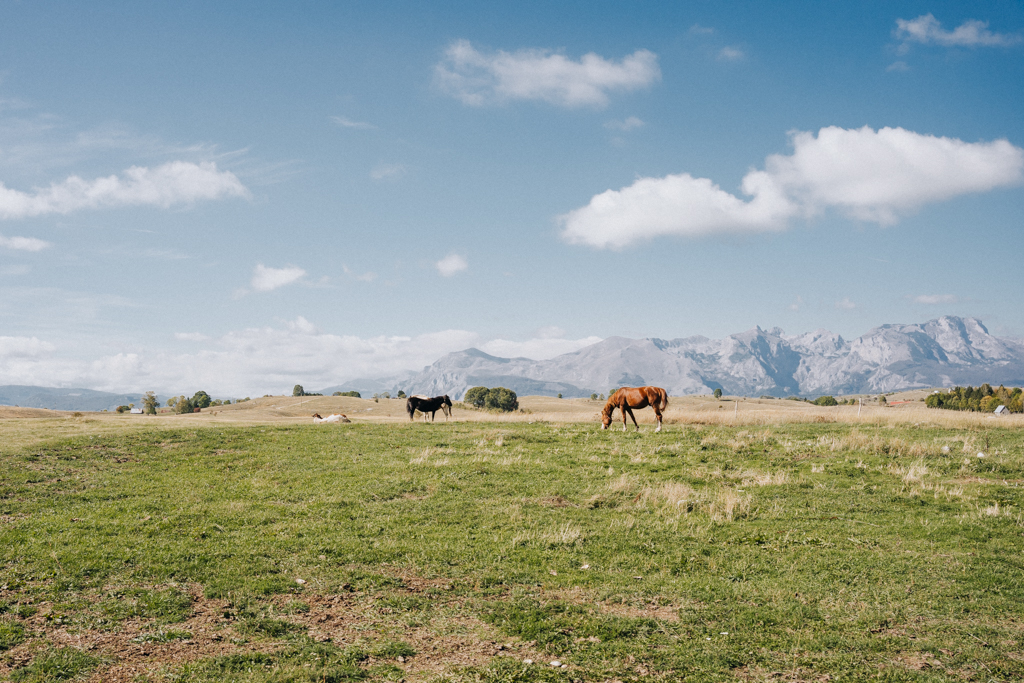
476,396
353,394
401,394
500,398
718,393
825,401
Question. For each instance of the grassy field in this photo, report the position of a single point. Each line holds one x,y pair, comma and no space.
247,546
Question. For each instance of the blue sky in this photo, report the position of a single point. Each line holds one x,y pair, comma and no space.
243,196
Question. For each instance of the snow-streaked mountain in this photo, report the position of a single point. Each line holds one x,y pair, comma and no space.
941,352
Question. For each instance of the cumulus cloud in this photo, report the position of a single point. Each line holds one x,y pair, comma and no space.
477,78
845,304
177,182
926,29
190,336
451,264
867,174
265,279
626,125
730,54
932,299
23,243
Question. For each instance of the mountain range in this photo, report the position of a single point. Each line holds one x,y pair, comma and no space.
944,352
947,351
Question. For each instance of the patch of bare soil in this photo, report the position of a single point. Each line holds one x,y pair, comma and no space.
446,639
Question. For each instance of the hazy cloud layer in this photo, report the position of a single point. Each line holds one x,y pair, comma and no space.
478,78
349,123
23,243
265,279
177,182
538,349
932,299
253,361
867,174
926,29
451,264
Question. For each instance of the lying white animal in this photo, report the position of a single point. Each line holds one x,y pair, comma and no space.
337,417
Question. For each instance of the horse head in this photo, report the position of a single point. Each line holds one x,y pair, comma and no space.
606,414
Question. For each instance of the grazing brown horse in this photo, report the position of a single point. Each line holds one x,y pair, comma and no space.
627,398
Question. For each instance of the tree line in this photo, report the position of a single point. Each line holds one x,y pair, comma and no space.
983,399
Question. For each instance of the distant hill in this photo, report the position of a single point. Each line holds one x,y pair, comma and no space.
942,352
64,399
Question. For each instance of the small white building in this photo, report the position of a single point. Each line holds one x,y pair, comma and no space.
1001,411
136,411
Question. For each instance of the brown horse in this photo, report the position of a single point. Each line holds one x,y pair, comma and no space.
627,398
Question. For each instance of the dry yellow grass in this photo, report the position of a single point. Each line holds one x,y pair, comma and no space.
25,425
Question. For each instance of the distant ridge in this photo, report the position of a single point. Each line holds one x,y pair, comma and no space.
941,352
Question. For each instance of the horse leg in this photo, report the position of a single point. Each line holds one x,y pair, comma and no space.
658,413
632,417
624,408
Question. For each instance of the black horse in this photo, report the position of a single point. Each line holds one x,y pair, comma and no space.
429,405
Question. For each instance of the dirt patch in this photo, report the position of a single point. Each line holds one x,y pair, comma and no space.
446,639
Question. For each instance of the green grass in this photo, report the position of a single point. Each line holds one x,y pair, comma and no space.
711,553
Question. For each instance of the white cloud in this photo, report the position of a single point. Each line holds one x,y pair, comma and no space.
926,29
869,175
190,336
627,124
387,171
898,66
699,30
349,123
846,304
537,349
265,279
932,299
478,79
796,305
177,182
23,243
451,264
23,347
730,54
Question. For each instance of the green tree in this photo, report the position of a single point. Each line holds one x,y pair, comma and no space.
882,400
172,401
183,405
825,401
718,393
401,394
201,399
500,398
298,390
353,394
593,397
559,396
149,403
477,396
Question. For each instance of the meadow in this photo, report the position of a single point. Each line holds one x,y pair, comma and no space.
778,543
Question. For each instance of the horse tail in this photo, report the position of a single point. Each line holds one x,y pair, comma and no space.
662,399
410,408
